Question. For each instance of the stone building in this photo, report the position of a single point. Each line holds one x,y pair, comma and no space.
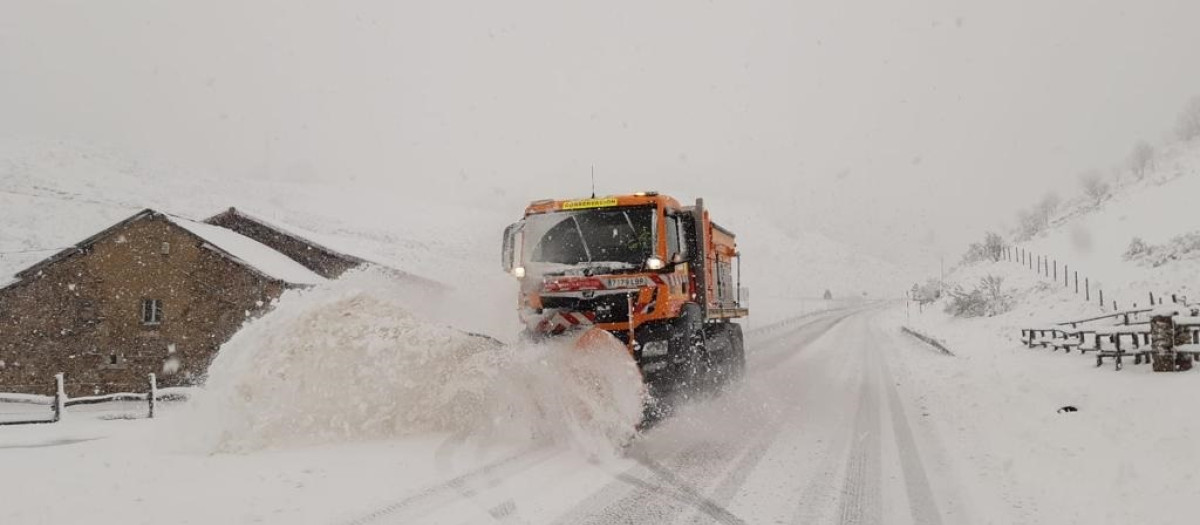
153,293
323,261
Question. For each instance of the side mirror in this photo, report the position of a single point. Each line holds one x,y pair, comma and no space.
508,250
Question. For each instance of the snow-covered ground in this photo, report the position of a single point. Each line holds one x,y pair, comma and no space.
1126,456
363,401
359,390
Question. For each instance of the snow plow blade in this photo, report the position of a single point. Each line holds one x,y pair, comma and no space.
603,369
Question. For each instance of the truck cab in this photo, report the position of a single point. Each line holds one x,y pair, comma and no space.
661,277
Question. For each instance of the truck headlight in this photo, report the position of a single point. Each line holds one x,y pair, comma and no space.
518,272
654,263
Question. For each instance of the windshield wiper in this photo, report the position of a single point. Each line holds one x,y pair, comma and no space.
587,251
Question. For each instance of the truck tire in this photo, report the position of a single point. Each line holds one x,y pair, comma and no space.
687,351
720,356
737,359
728,352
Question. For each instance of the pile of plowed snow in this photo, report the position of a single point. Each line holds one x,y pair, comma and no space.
349,360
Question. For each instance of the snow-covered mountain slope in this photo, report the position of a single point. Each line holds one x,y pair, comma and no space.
1093,239
53,194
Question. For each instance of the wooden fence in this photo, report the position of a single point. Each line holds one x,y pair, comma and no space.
59,402
1069,276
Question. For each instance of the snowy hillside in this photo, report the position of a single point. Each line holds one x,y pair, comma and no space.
1094,239
53,194
998,401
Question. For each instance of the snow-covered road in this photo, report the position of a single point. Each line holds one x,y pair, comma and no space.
820,433
824,429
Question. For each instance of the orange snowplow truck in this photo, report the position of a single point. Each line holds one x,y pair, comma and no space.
660,277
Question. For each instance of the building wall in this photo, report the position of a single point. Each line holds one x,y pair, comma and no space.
83,312
325,263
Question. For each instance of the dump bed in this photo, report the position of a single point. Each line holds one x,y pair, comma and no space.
722,268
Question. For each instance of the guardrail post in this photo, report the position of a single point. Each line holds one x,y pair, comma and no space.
1087,289
1101,298
153,394
1076,283
60,397
1056,269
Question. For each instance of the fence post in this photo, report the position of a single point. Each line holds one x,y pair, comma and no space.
1151,298
1077,283
1066,277
1101,298
153,394
60,397
1162,342
1087,289
1056,270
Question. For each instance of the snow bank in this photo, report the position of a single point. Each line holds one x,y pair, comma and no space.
350,361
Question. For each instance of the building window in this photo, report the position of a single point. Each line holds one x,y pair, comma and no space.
87,311
152,311
166,248
113,359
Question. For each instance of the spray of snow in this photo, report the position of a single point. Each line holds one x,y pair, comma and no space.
349,360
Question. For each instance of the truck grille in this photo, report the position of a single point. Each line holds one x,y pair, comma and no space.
612,308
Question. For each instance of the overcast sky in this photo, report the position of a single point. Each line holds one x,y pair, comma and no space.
903,128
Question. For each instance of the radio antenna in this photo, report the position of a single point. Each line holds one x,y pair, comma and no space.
593,181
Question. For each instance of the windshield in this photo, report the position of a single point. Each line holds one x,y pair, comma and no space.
622,238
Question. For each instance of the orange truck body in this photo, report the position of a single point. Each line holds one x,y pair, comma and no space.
695,266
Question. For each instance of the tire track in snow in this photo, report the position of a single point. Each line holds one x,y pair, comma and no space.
666,492
851,455
656,492
464,486
820,490
921,502
733,481
861,492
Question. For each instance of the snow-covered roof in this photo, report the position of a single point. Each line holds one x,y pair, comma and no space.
250,252
300,235
332,245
